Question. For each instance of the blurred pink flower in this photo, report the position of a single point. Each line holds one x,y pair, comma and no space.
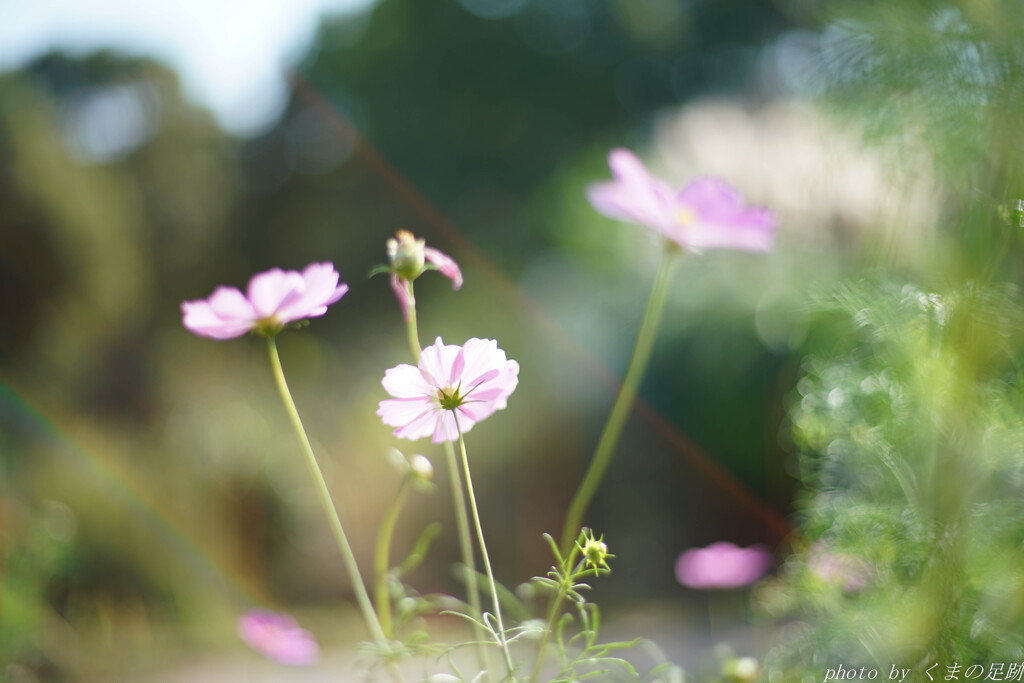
272,299
408,258
847,571
722,565
278,637
706,214
473,380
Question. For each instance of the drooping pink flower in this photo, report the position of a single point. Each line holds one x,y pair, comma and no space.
722,565
706,214
408,258
272,299
470,381
278,637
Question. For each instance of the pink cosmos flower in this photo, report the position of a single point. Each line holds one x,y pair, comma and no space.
272,300
408,258
470,381
722,565
278,637
706,214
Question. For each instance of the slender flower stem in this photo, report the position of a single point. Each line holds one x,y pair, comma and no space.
461,518
624,401
465,540
410,326
362,597
553,610
381,564
483,551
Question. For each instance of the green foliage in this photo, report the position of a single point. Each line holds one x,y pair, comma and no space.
910,436
575,632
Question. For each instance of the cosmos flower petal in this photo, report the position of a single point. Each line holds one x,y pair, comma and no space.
278,637
710,198
274,289
475,411
397,412
722,565
750,230
405,299
506,382
406,381
199,318
436,362
230,304
482,356
445,428
446,264
631,205
422,425
319,289
634,196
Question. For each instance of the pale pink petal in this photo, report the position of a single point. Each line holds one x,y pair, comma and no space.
635,195
445,429
406,381
397,412
748,230
713,217
199,318
320,288
482,357
458,365
722,565
436,361
274,289
628,169
405,299
230,304
475,411
446,264
278,637
506,382
422,425
710,199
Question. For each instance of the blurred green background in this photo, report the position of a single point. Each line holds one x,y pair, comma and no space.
150,488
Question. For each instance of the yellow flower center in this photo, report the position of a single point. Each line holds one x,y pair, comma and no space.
449,398
685,216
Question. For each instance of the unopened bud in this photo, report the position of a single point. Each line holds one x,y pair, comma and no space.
406,254
595,551
742,669
421,467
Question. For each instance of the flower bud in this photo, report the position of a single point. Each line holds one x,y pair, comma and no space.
406,255
421,467
742,669
595,551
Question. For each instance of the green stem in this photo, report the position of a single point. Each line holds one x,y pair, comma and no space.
465,541
410,327
553,610
624,401
461,518
483,551
381,565
362,597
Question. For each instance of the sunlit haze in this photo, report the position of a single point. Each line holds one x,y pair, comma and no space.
232,55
